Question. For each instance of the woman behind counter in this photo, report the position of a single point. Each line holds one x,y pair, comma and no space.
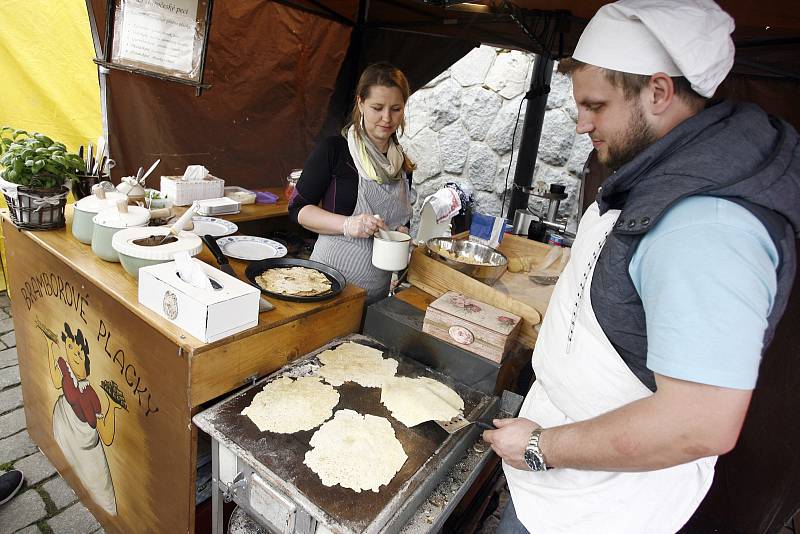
349,179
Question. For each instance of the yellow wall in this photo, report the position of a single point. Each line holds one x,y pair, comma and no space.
49,82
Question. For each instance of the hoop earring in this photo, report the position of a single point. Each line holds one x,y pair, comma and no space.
363,124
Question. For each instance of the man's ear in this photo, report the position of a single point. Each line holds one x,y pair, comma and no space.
661,94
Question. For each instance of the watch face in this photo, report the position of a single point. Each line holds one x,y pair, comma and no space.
533,460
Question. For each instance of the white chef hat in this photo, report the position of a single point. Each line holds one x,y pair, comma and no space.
689,38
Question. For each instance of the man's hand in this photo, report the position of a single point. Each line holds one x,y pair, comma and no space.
510,439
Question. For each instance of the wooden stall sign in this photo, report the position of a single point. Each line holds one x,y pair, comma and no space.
111,419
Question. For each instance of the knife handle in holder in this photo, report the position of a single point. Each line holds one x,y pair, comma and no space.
213,246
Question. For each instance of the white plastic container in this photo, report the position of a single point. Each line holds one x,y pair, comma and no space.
218,206
240,194
391,255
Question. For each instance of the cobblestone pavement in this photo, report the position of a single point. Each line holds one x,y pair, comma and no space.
45,504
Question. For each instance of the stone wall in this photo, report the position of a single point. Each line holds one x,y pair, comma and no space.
459,128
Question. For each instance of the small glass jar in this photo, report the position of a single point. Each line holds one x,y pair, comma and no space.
291,181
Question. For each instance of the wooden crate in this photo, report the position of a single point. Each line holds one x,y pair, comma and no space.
473,325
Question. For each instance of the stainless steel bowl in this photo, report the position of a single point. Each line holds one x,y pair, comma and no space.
491,266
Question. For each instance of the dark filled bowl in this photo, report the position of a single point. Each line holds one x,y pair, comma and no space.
478,261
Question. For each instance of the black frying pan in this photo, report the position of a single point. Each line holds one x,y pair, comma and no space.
337,279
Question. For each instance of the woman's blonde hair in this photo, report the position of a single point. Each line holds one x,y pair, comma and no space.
382,74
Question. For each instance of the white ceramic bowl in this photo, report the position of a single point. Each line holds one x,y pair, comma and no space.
134,256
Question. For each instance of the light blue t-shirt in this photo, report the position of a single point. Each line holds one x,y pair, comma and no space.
706,274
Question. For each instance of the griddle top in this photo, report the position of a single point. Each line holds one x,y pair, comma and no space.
282,455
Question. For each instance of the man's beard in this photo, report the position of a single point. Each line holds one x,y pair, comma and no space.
636,137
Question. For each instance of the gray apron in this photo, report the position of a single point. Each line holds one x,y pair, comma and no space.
353,256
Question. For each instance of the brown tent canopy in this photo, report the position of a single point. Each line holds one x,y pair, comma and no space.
280,71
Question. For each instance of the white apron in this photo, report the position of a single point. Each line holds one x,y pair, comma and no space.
84,452
579,375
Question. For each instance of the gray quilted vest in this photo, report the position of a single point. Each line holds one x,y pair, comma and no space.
733,151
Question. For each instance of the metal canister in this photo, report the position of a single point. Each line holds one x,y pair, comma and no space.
522,221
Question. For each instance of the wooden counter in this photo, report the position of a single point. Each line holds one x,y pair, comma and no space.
134,467
255,212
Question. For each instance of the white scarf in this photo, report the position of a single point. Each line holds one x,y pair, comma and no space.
370,162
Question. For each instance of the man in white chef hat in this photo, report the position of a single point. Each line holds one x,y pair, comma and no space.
650,348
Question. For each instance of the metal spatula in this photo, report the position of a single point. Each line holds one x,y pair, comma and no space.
458,422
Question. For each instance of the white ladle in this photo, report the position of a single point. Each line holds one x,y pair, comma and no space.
181,222
151,169
383,233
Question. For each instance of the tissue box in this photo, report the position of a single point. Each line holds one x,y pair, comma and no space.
472,325
183,192
208,315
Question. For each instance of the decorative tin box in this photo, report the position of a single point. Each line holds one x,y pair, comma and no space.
475,326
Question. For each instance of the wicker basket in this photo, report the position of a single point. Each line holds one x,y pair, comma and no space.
36,208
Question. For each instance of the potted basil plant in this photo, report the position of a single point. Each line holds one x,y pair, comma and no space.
34,177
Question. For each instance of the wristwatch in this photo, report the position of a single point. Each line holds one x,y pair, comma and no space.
533,454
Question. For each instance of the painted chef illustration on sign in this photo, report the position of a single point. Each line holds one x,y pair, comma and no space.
82,423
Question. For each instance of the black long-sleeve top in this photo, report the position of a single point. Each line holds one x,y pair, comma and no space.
329,180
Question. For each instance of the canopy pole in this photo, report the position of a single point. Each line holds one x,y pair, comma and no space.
347,79
531,132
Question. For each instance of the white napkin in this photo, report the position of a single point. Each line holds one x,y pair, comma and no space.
445,203
195,173
191,272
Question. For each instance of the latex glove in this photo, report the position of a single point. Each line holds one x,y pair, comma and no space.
361,226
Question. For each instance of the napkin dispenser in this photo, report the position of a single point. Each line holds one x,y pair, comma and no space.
230,306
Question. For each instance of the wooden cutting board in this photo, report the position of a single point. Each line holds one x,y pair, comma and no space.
513,292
